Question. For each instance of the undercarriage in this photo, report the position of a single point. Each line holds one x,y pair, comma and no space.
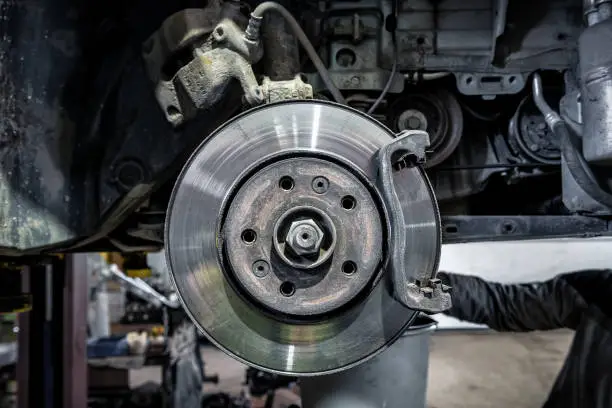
103,105
302,163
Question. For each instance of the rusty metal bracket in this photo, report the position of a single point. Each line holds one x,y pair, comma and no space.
219,55
296,88
181,30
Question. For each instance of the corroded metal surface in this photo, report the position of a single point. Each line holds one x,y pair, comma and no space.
319,283
38,53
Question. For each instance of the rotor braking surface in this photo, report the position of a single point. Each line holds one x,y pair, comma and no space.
277,237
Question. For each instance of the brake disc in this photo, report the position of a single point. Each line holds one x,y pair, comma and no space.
293,244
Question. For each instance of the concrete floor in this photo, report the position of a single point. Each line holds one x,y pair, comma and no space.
480,370
467,369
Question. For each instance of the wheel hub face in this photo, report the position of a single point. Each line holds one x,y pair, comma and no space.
305,235
230,220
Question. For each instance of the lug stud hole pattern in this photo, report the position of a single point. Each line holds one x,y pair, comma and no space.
286,183
348,202
297,240
249,236
349,267
287,289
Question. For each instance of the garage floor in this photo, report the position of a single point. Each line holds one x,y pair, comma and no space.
467,369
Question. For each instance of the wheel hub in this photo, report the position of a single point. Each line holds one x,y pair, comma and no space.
305,234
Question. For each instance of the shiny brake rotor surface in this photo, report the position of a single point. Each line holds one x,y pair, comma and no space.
244,327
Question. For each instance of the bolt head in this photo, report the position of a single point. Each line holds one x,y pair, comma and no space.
304,237
414,122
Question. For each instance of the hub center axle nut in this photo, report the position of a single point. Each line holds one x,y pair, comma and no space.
304,237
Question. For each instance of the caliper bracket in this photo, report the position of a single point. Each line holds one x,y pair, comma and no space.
415,289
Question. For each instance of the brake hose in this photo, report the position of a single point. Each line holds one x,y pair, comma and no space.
252,34
393,68
573,158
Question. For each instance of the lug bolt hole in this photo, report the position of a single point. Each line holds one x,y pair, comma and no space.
287,289
249,236
348,202
286,183
261,268
349,267
320,185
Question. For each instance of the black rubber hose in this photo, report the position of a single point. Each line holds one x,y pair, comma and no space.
395,58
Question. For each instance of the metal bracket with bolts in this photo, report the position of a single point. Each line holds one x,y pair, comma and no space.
414,289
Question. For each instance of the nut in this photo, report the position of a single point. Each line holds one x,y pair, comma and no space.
304,237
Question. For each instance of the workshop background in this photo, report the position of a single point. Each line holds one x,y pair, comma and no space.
469,365
141,348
